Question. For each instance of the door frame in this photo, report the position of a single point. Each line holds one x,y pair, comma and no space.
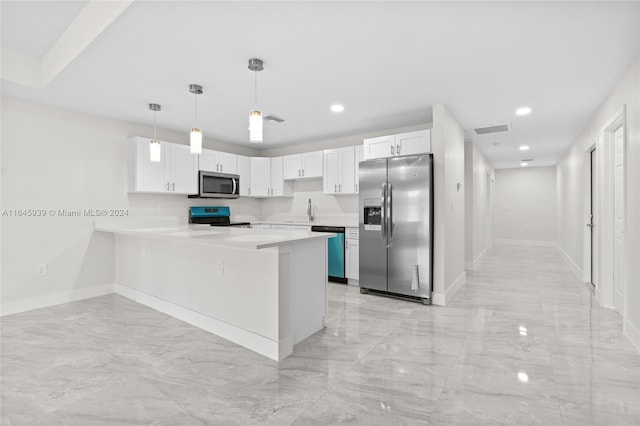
590,234
605,237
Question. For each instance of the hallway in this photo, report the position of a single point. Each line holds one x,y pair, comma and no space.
523,342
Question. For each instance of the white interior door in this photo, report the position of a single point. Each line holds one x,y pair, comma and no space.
618,219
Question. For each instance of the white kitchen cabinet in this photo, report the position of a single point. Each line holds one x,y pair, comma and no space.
409,143
260,177
352,254
244,171
359,154
339,171
182,170
279,188
266,178
217,161
303,166
176,173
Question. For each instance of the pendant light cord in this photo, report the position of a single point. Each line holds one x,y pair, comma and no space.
196,114
155,135
255,88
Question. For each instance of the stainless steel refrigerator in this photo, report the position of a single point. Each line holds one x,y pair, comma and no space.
396,226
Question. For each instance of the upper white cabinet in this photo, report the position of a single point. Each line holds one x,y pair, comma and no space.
339,171
216,161
176,173
303,166
359,151
266,178
244,171
402,144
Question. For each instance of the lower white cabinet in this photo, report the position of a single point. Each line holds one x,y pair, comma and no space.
175,173
352,254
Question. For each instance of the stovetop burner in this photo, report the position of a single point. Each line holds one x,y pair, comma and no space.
214,216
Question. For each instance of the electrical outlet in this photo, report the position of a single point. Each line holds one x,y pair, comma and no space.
41,269
220,267
160,208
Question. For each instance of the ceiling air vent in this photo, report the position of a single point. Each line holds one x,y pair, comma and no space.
497,128
275,118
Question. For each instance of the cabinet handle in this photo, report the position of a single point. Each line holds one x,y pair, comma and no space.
335,188
356,187
339,187
392,150
220,167
167,186
398,148
249,190
299,173
173,186
303,172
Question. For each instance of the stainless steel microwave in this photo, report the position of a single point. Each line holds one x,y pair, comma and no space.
217,185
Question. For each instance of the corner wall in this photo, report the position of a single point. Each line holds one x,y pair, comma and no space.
479,182
447,141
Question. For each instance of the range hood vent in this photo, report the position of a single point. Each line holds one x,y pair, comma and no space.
275,118
496,128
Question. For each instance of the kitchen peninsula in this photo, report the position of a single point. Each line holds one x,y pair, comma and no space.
263,290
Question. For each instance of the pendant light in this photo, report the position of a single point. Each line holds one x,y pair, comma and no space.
255,115
155,149
195,139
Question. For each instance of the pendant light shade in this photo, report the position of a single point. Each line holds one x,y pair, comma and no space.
255,126
155,149
195,139
255,115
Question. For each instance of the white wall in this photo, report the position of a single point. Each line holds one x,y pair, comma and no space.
449,205
479,178
572,170
525,205
57,159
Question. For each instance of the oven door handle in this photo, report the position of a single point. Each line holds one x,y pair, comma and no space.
233,191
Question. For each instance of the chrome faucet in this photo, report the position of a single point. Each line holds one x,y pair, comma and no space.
310,212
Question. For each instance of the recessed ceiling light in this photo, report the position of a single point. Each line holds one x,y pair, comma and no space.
337,108
524,148
523,111
524,164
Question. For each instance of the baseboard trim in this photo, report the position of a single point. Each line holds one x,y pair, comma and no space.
632,333
441,299
472,266
574,267
53,299
526,242
255,342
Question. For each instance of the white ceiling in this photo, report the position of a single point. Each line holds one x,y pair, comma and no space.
387,62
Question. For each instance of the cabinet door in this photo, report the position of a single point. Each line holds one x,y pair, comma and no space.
359,152
380,147
244,170
260,177
413,143
331,175
208,161
279,187
228,162
312,164
292,166
184,170
347,184
352,259
144,175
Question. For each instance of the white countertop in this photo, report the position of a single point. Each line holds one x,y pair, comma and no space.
343,223
245,238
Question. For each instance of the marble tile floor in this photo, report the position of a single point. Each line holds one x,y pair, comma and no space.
522,343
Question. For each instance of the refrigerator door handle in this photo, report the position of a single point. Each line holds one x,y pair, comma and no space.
383,213
389,213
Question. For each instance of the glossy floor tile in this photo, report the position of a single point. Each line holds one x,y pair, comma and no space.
522,343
